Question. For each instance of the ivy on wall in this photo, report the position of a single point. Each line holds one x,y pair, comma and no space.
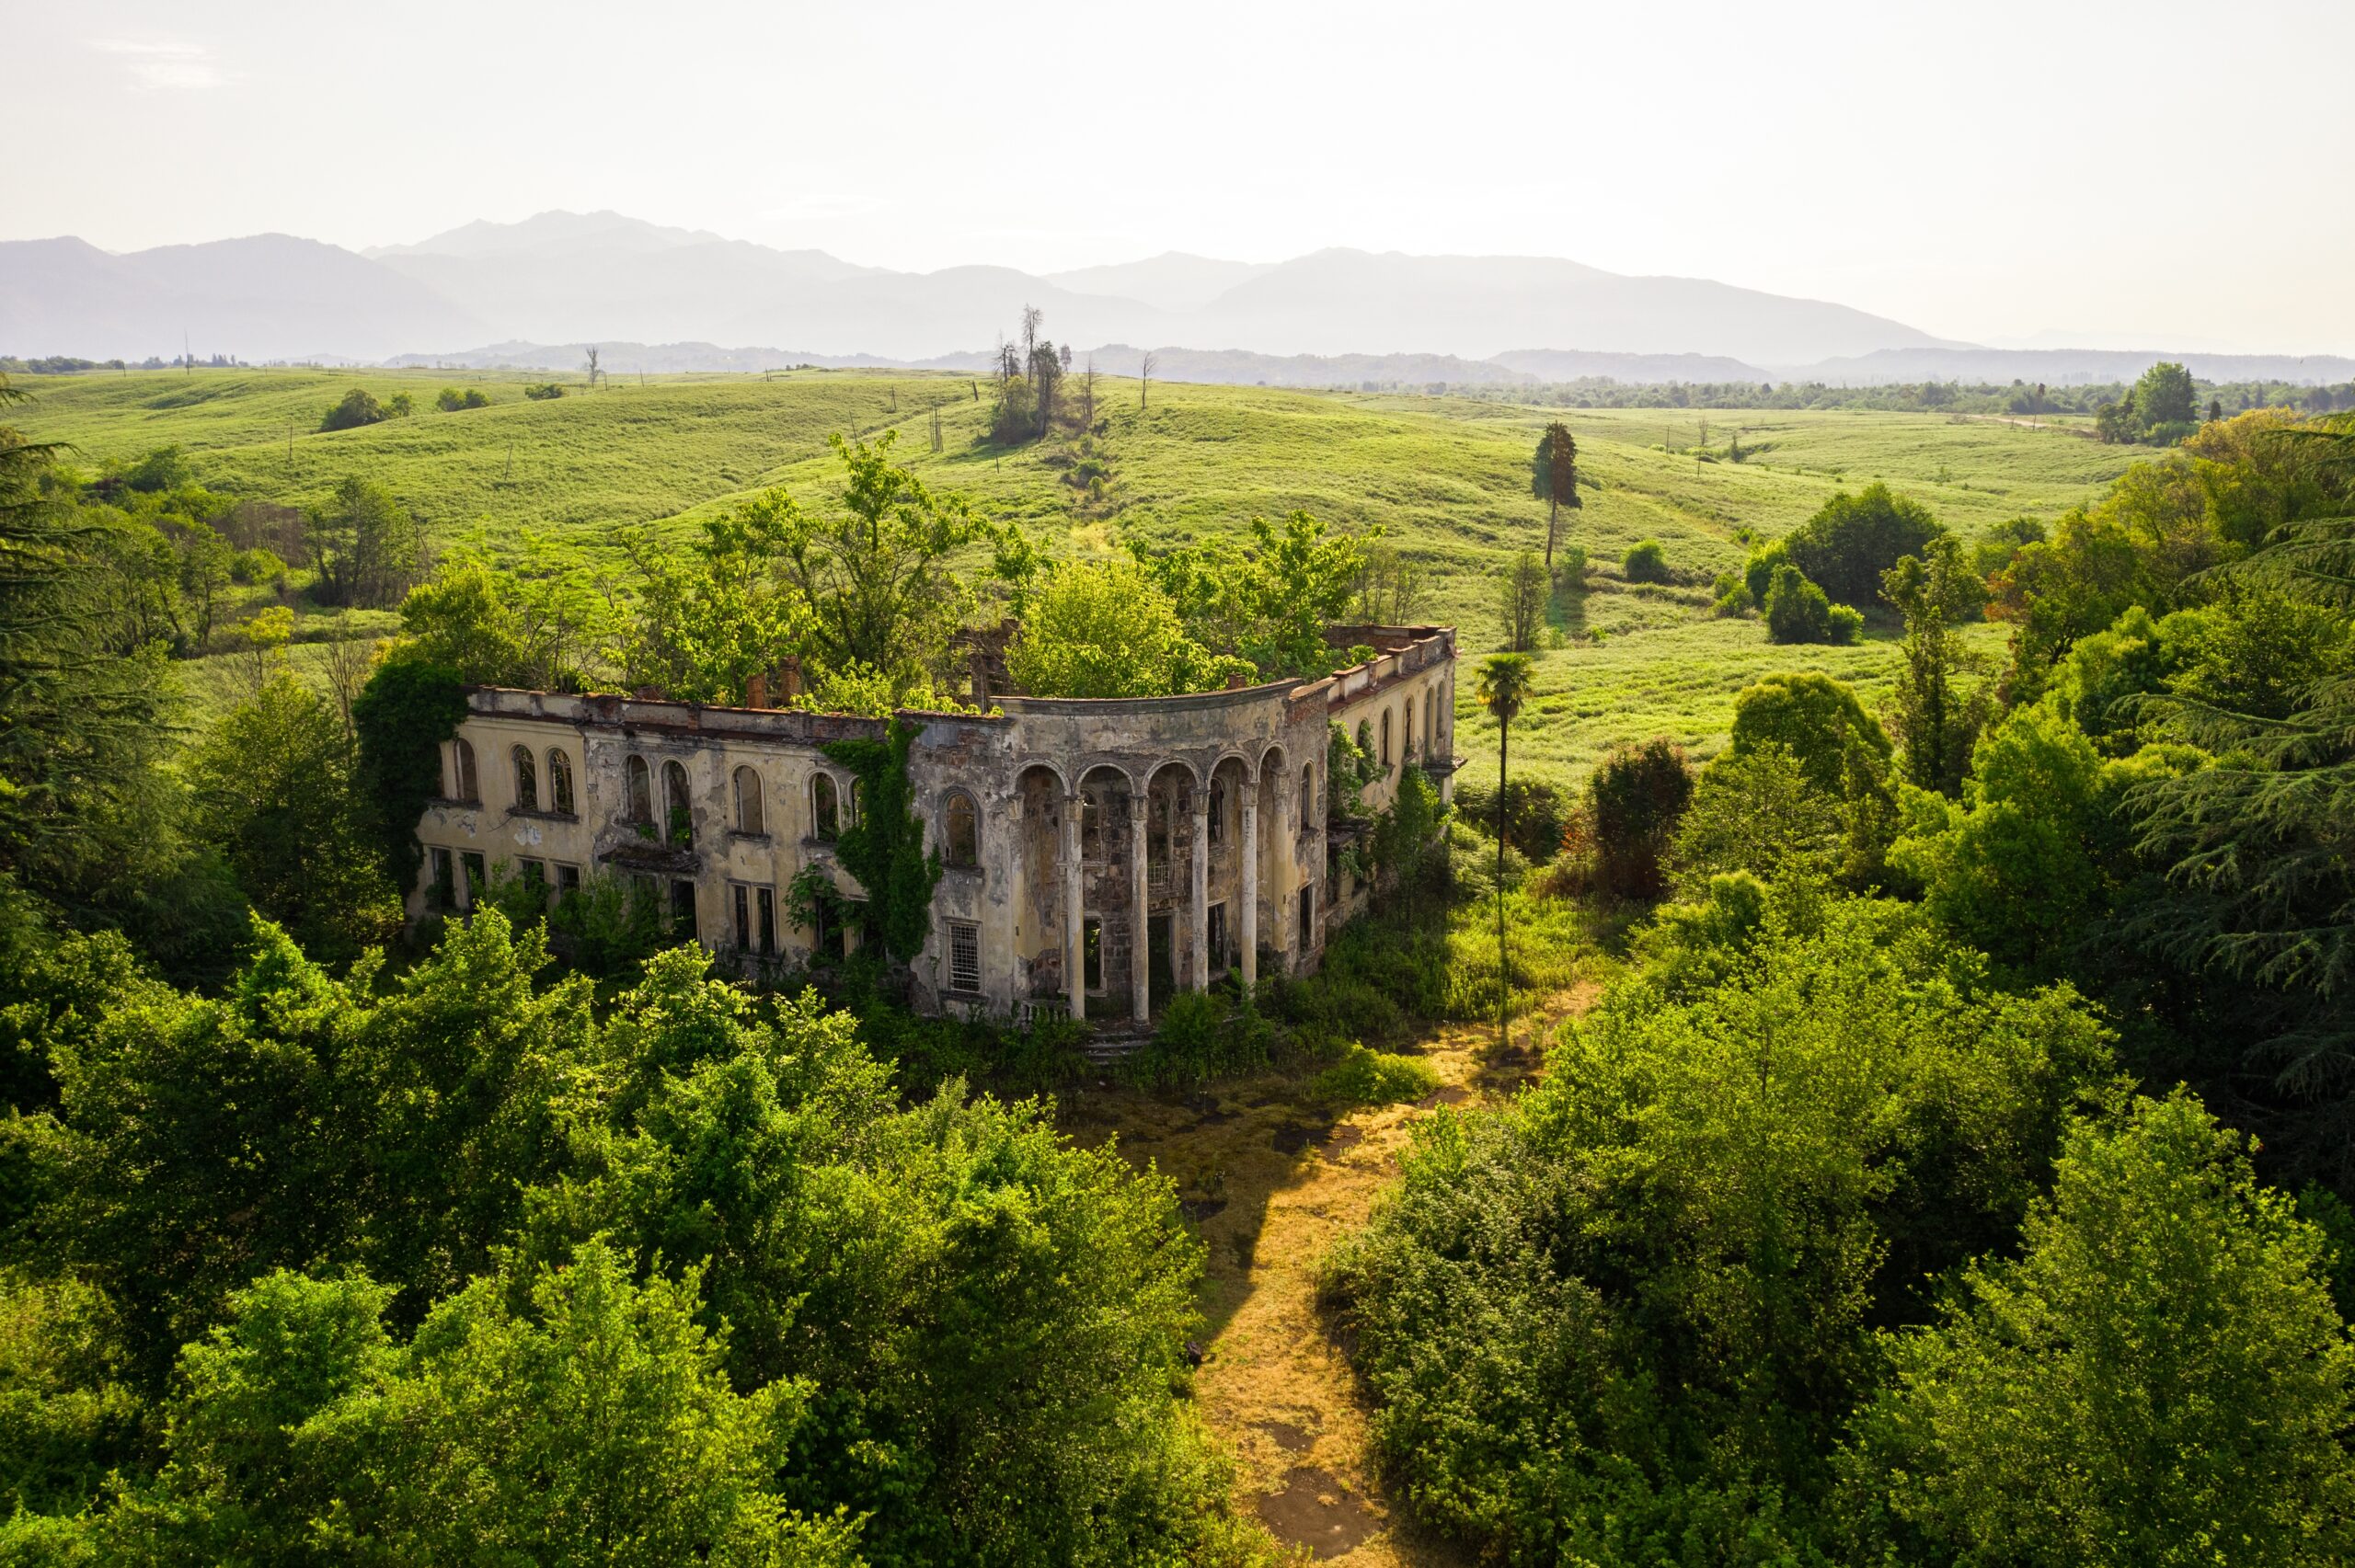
884,848
401,717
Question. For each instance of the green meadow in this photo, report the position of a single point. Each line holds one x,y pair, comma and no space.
1446,479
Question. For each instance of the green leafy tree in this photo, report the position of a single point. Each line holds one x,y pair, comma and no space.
1645,562
884,848
1755,810
492,627
1847,546
1629,1317
1520,602
366,547
1634,800
1814,717
400,718
2166,395
1271,601
1107,631
1937,722
2160,1378
452,399
271,785
1554,480
356,407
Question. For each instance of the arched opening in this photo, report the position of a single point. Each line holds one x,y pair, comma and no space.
1365,738
961,833
752,813
560,783
1091,823
1307,796
1430,726
1407,733
1385,737
825,808
527,779
462,783
639,787
678,811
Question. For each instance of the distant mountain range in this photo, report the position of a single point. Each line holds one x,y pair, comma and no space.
1336,316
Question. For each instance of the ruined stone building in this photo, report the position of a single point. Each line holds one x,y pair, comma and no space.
1098,854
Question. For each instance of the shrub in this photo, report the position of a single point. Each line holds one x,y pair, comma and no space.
454,398
1535,814
1375,1077
541,391
1645,562
1635,799
254,565
1758,572
1731,593
359,406
1570,569
1203,1036
1799,612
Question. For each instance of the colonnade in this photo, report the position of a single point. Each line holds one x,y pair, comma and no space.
1197,976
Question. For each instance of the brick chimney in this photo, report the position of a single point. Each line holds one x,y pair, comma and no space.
787,679
756,692
1237,681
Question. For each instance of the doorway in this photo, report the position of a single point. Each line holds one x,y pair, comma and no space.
1160,979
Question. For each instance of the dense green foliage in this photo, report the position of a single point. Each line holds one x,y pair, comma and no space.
1107,631
457,1259
883,848
400,719
1630,1317
1848,546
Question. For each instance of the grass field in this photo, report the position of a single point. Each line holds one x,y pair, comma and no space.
1446,478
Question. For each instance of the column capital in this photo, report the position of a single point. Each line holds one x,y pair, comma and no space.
1139,804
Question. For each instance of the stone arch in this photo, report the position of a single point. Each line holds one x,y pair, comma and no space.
1038,807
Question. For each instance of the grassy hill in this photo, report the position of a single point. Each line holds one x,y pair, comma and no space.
1447,479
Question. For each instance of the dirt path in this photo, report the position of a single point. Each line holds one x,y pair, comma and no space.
1272,1185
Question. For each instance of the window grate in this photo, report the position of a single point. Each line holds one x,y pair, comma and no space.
964,956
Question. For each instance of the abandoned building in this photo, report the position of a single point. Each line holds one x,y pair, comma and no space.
1098,854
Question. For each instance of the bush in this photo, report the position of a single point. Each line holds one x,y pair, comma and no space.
1634,800
1536,814
1203,1034
541,391
1645,562
454,398
1375,1077
1799,612
1570,569
255,566
359,406
1731,593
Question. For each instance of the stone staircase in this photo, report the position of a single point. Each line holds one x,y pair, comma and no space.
1107,1043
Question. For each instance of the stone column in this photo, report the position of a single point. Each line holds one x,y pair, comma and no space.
1249,930
1074,931
1201,966
1140,944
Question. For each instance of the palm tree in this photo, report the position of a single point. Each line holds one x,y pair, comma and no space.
1504,686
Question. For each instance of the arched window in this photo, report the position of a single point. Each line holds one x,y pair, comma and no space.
1217,818
825,808
678,811
963,824
560,783
527,779
463,785
857,800
641,804
750,814
1307,794
1430,726
1091,827
1385,737
1365,738
1407,732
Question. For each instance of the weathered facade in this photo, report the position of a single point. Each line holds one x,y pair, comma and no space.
1098,854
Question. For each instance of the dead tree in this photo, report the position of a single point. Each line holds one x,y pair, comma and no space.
1145,367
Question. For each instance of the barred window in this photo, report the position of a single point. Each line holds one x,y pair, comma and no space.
964,955
527,779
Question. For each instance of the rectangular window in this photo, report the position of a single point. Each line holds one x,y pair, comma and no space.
768,921
535,872
964,955
682,911
567,880
445,881
1094,950
477,875
1307,916
743,902
1217,926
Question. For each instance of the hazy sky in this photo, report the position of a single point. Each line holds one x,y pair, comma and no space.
2162,174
